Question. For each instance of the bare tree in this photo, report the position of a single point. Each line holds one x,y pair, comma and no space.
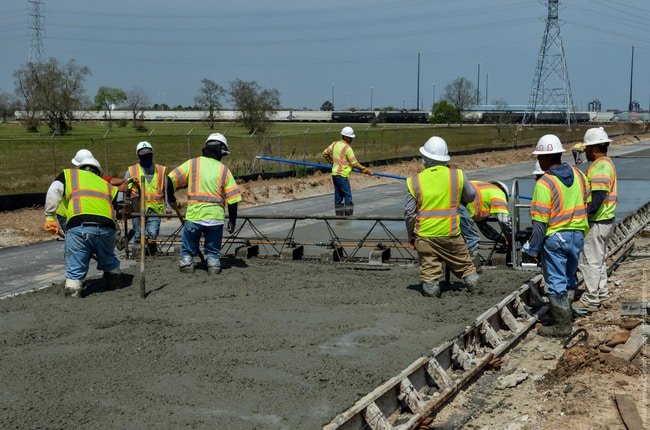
254,103
8,105
137,100
51,91
460,93
208,98
107,98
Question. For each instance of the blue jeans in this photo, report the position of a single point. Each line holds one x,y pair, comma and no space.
468,229
342,190
82,241
560,255
191,240
151,226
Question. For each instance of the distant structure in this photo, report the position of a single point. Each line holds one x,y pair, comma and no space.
551,85
36,26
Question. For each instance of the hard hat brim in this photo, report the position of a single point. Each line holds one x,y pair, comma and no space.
427,154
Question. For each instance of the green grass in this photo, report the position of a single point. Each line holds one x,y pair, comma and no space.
29,161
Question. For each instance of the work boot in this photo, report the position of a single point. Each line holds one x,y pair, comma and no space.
471,282
186,264
73,288
570,294
581,307
431,289
113,279
561,313
339,209
214,266
349,210
476,259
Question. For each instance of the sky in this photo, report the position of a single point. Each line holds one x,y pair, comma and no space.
358,54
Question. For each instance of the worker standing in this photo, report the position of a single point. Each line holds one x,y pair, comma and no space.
154,193
491,201
433,221
559,215
577,151
341,156
90,226
210,187
601,176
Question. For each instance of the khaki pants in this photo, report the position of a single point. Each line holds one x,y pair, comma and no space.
433,251
593,264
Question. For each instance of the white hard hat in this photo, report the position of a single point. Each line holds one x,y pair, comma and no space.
595,136
502,186
436,149
92,161
81,155
538,169
347,131
548,144
216,138
144,148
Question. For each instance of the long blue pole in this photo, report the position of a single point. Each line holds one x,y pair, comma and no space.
324,166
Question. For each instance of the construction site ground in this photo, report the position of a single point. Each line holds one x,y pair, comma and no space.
274,344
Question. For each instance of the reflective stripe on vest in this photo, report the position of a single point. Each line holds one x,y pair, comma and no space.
88,194
489,200
602,177
437,206
341,165
566,208
154,191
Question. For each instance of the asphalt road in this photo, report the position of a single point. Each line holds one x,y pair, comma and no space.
37,266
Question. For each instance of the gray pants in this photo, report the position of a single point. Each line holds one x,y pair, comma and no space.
593,263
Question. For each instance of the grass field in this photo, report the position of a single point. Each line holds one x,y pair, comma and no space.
30,161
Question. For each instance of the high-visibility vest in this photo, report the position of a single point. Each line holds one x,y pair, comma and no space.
489,201
437,191
602,177
210,185
342,158
154,190
559,206
88,194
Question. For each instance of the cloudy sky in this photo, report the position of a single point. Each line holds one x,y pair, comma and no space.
360,52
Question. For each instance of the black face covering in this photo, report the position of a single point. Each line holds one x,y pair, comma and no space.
213,151
146,160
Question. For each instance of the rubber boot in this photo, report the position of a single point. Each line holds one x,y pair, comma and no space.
349,210
186,264
471,282
476,259
214,266
431,289
113,279
570,294
561,313
339,209
73,288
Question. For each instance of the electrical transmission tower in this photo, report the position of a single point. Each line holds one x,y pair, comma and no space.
36,26
551,89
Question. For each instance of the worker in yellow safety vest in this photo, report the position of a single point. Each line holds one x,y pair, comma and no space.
601,176
210,188
559,215
90,229
433,221
154,193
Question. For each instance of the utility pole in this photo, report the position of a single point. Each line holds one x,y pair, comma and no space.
630,107
418,97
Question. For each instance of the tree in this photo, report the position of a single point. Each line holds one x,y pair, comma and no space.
503,116
327,106
460,93
137,100
107,98
51,91
8,105
255,104
444,113
208,98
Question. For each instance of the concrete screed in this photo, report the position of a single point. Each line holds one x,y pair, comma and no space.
267,344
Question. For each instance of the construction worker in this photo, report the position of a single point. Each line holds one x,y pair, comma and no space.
210,187
577,151
90,225
491,201
601,176
341,156
538,172
154,193
433,221
559,215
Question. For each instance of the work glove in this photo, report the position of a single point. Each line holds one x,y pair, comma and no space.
230,227
51,226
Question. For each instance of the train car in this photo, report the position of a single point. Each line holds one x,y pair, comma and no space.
408,117
353,117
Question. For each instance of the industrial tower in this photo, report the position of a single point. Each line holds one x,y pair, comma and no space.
36,25
551,90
